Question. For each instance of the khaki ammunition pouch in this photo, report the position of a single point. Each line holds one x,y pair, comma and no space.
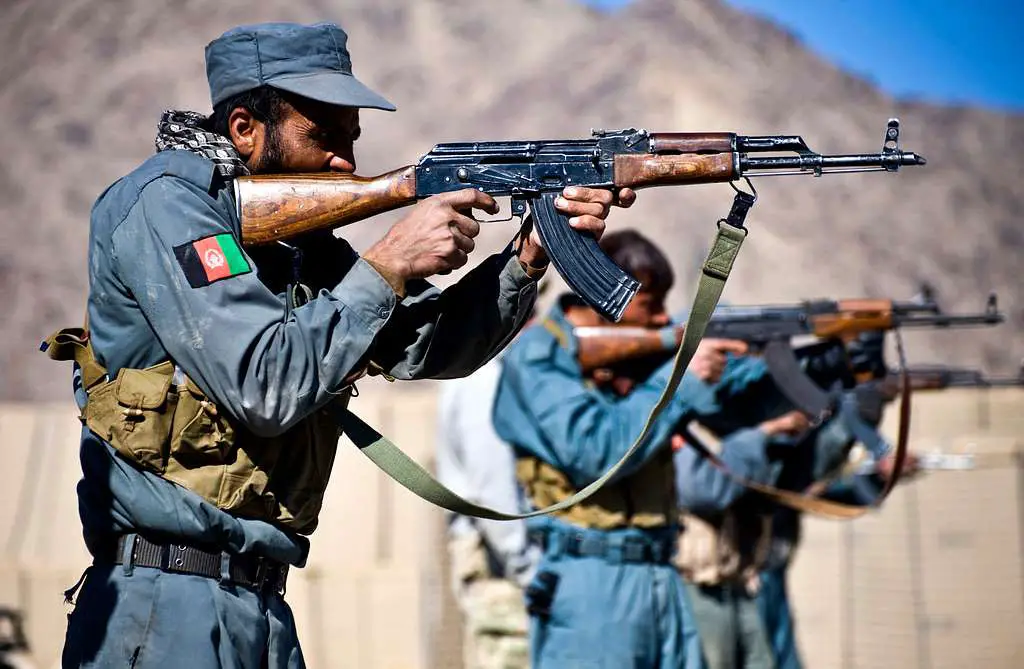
645,500
732,548
160,420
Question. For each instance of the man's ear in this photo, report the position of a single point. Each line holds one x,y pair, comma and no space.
246,132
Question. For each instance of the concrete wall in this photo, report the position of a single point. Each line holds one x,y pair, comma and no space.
933,580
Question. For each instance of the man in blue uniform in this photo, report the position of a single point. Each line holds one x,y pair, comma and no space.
605,593
735,543
722,538
210,378
860,489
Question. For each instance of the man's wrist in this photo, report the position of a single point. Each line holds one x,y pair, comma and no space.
533,271
533,259
394,279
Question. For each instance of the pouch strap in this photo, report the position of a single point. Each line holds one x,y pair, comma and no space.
73,344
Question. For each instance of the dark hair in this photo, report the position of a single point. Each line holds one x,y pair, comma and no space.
264,103
641,258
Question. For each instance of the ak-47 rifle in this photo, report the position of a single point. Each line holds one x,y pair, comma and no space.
276,207
940,377
769,330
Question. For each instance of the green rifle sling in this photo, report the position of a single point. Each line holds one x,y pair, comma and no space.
403,469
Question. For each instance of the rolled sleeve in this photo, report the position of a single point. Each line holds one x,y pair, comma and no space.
451,333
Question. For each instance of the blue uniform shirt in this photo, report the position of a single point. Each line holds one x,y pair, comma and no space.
744,398
266,365
545,408
749,396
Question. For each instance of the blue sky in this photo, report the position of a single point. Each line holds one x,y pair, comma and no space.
944,51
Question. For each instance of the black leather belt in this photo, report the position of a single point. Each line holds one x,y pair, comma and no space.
249,571
629,548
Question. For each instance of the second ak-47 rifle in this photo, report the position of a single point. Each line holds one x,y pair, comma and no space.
769,330
278,206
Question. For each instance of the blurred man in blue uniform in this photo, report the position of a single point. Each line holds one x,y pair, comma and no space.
605,593
210,378
735,543
827,465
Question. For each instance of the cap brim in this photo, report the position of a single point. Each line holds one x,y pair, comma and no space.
333,88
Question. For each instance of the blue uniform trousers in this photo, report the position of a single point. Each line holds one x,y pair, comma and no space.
143,617
773,602
732,630
609,613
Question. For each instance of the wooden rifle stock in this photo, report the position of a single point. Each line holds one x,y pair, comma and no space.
279,206
602,347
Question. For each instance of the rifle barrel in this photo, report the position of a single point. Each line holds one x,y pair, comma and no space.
943,320
813,163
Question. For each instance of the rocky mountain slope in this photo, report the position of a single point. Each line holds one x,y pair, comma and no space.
82,83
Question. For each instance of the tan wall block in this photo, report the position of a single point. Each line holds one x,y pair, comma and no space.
818,594
993,412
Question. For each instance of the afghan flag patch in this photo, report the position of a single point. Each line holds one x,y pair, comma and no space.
211,259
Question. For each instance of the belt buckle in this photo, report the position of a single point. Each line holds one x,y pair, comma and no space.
633,549
272,574
174,558
577,544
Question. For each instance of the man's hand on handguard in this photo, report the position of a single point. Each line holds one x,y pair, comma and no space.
887,466
789,424
587,209
709,360
435,237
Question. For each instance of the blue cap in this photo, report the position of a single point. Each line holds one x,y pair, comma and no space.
308,60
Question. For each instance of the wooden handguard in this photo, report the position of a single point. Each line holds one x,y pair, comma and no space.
273,207
643,170
852,318
692,142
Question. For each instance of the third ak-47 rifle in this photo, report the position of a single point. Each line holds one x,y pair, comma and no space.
769,331
275,207
940,377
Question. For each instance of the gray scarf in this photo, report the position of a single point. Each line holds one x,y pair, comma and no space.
186,131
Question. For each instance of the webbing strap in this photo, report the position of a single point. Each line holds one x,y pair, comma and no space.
810,501
403,469
74,344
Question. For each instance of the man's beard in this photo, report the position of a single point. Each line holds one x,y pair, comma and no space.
272,159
